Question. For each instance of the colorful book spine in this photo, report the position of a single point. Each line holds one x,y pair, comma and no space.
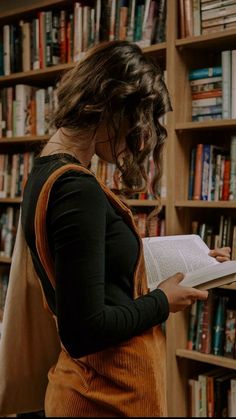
198,173
200,73
191,173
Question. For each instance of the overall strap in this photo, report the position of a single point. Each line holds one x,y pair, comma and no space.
140,280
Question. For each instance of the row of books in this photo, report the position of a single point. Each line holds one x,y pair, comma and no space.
212,394
8,224
26,110
14,171
149,226
54,37
212,172
201,17
220,234
213,89
212,325
109,175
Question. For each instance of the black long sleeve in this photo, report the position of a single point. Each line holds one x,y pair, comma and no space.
95,253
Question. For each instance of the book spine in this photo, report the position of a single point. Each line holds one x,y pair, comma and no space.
232,195
233,83
6,50
9,127
201,73
205,171
222,11
226,83
35,58
48,38
206,335
40,111
230,333
192,327
188,13
181,19
198,173
226,181
218,326
196,18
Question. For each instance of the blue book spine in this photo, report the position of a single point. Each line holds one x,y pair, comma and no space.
191,173
219,327
205,171
200,73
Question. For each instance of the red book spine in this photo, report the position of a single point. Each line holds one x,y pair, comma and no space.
226,181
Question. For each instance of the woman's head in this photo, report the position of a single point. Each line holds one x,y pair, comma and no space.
118,87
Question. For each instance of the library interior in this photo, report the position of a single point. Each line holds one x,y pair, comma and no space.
193,210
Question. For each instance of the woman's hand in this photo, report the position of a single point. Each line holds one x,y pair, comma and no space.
180,297
221,254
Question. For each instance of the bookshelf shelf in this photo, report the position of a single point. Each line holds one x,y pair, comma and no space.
18,12
10,200
214,40
4,259
205,204
144,202
206,358
40,75
49,73
223,124
27,139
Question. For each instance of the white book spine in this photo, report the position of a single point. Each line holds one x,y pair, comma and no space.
226,83
211,101
196,18
220,11
22,95
233,85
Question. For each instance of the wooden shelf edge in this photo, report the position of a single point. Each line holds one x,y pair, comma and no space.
144,202
205,39
4,259
221,361
11,200
220,123
37,73
204,204
57,69
30,138
36,5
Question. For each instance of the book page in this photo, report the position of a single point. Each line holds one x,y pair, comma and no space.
208,273
165,256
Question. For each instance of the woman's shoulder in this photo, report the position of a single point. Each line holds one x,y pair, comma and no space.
79,182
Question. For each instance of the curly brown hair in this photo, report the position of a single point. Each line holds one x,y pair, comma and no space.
116,82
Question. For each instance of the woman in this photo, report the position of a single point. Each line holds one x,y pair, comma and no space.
112,361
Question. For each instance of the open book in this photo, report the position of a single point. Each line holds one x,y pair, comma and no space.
165,256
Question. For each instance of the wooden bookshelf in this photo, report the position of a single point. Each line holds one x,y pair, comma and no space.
206,358
204,204
182,55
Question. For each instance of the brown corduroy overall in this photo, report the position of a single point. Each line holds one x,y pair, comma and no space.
128,379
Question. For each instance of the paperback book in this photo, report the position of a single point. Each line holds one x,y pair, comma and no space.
165,256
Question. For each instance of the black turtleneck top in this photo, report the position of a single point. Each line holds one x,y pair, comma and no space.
95,253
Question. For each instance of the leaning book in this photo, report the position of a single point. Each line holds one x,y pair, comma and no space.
165,256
